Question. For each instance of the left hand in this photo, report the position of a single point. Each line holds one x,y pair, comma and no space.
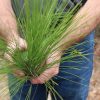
12,45
51,72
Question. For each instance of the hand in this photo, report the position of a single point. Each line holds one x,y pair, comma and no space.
12,45
51,72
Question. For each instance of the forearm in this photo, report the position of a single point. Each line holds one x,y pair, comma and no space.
90,19
8,25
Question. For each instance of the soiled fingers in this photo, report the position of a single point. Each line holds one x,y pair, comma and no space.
46,75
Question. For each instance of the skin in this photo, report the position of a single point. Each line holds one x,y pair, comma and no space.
8,30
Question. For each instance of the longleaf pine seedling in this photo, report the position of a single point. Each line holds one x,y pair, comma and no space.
43,24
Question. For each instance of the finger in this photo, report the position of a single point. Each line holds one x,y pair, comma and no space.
12,45
22,44
8,57
18,43
18,73
47,75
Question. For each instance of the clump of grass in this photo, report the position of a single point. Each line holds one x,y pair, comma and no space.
42,23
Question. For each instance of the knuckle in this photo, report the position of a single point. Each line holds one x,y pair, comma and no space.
56,71
8,57
41,82
23,44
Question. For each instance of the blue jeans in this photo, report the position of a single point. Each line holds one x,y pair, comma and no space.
73,81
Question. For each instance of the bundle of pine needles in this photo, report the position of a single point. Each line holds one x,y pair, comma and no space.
42,23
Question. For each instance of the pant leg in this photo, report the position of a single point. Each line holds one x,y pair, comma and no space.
73,81
37,92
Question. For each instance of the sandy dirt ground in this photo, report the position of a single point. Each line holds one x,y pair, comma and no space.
94,93
95,81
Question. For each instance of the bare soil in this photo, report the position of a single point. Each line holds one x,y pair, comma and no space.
94,93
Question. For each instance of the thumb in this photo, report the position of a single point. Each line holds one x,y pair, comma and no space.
22,44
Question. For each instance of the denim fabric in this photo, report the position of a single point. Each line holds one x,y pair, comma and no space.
73,82
38,91
76,87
